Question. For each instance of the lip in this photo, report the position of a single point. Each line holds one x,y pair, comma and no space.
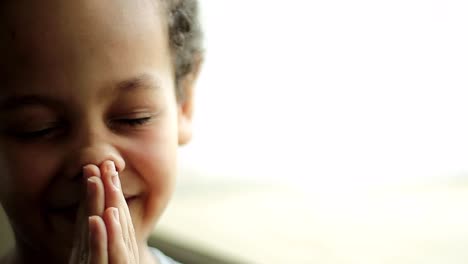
130,198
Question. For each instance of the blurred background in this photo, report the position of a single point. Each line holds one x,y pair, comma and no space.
328,132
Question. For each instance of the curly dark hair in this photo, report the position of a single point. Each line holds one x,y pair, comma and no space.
185,37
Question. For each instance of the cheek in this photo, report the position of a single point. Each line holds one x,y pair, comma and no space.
153,157
24,175
154,160
25,171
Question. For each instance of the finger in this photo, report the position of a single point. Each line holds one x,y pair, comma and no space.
97,241
79,252
95,191
91,170
117,249
114,197
95,196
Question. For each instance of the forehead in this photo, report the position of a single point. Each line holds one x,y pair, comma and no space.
69,14
56,42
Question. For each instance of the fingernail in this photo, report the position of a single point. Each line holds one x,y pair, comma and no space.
116,180
91,227
111,167
115,212
91,188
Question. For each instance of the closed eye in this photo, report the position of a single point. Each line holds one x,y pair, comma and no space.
35,134
134,121
51,130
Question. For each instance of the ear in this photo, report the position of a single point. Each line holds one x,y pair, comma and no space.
185,104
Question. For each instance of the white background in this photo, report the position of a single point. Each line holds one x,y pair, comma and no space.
326,92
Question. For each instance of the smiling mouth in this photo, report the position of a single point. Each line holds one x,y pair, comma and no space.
130,199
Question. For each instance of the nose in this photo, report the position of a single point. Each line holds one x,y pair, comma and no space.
98,153
93,146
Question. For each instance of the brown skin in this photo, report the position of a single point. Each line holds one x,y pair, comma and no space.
103,74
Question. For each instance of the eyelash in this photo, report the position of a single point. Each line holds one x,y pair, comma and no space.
133,122
36,134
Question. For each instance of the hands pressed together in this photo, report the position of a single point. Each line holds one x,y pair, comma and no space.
105,229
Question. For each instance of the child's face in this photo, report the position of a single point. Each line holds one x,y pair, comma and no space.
84,82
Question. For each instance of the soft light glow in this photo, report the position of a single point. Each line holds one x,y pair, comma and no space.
326,92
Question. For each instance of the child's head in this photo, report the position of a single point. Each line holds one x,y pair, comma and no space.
84,82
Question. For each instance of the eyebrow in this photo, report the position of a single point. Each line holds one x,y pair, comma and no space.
18,101
144,81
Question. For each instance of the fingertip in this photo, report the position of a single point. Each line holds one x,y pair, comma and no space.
91,185
91,170
112,221
95,226
94,180
112,214
93,221
97,240
108,167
